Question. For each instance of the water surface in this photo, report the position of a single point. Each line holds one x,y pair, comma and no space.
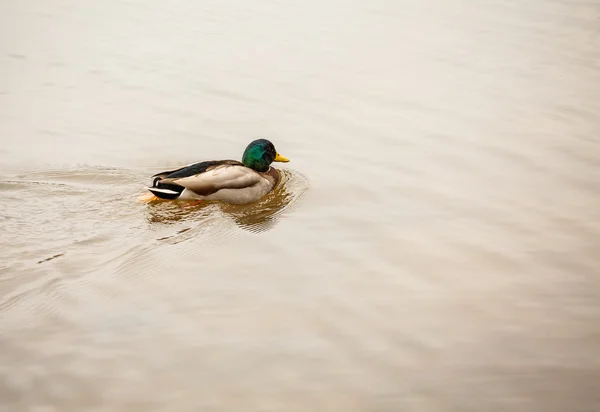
434,247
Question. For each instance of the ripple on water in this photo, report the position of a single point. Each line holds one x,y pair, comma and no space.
96,243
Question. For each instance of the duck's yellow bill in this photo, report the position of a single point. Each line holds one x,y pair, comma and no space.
280,158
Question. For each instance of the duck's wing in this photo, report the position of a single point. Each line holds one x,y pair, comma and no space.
209,177
193,169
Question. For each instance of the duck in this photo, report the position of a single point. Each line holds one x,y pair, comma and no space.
229,181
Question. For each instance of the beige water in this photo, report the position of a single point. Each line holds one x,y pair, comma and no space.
435,245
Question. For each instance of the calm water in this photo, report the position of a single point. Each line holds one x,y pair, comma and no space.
435,245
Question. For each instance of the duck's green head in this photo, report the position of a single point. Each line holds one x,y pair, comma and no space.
260,154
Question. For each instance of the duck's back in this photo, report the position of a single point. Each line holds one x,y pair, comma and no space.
195,169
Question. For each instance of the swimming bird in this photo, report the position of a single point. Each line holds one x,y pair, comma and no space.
229,181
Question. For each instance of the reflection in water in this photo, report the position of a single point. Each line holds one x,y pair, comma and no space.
166,212
256,217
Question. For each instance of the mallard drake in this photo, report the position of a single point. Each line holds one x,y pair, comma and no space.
229,181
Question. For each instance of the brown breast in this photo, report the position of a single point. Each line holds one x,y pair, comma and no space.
272,174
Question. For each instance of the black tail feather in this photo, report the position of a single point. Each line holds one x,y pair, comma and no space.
167,191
